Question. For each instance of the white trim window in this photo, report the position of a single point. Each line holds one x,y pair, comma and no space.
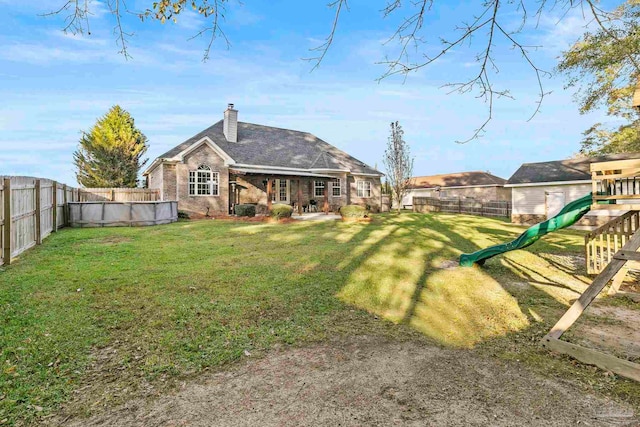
318,188
280,190
204,182
336,187
364,189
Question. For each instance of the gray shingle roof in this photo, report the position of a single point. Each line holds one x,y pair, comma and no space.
276,147
575,169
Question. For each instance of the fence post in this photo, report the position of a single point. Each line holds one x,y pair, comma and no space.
113,194
6,244
55,207
65,206
38,214
459,206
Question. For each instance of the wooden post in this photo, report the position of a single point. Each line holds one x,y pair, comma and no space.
38,214
593,290
348,184
55,207
6,243
326,198
299,197
65,207
113,194
269,189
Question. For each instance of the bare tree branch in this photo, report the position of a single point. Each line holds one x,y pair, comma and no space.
324,47
485,28
215,29
120,33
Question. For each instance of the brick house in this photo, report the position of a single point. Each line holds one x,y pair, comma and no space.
477,185
235,162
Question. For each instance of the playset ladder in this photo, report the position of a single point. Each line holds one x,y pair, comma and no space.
616,270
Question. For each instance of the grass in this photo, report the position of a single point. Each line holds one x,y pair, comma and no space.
94,317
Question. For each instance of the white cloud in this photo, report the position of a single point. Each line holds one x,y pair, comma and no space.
190,20
77,37
560,32
38,54
98,9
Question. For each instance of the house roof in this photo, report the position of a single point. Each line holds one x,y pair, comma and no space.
459,179
574,169
260,145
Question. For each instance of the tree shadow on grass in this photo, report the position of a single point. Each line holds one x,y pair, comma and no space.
401,277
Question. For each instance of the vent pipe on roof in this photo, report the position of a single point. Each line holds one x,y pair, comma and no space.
230,125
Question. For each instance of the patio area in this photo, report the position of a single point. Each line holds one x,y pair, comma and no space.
315,216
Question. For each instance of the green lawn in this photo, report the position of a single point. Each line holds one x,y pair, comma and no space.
97,316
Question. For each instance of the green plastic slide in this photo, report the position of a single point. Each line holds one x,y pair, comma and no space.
568,216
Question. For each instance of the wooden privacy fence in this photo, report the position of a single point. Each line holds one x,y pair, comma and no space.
494,208
31,209
119,195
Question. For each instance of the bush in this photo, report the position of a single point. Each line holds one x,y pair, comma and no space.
279,211
183,215
353,211
245,210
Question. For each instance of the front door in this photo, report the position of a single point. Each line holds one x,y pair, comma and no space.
554,203
281,190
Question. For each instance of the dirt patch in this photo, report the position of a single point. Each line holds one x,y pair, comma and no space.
367,381
610,329
258,218
108,241
449,264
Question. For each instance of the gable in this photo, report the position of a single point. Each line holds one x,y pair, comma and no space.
203,154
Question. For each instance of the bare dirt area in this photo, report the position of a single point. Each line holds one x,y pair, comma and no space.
370,381
610,329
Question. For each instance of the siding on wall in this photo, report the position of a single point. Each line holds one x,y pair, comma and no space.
531,200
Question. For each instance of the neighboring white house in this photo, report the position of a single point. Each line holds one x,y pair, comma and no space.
540,190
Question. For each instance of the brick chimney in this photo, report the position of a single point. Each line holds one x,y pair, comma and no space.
230,126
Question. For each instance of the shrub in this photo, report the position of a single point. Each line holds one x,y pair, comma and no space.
245,210
279,211
183,215
353,211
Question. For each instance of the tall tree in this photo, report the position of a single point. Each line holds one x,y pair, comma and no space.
605,65
110,154
485,30
398,163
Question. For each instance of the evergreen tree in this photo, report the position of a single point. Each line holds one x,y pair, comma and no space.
110,154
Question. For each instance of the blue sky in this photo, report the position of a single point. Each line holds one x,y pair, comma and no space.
54,85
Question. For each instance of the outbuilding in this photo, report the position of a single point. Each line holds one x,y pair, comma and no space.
540,190
477,185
